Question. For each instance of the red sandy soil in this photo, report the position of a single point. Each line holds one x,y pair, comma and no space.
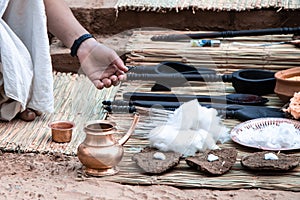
36,176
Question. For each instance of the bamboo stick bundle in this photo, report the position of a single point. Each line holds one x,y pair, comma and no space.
239,56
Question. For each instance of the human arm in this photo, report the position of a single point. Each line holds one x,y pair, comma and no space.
101,64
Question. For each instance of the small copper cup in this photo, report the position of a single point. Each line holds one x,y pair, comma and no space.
61,131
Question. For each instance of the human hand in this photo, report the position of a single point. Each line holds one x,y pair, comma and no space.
101,64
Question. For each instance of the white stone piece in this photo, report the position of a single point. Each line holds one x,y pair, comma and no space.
212,157
159,156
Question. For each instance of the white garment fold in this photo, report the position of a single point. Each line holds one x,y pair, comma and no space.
24,51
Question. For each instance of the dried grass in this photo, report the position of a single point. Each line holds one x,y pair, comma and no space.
76,99
215,5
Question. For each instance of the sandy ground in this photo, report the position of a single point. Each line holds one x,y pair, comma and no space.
36,176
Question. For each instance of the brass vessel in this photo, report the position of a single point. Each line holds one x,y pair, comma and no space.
100,152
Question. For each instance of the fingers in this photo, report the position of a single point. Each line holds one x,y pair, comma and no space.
104,67
114,74
114,80
112,58
105,83
107,79
122,77
120,65
98,84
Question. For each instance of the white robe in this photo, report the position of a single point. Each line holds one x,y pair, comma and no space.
25,58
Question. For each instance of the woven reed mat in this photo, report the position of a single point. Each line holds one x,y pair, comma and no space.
182,175
76,99
215,5
144,52
233,54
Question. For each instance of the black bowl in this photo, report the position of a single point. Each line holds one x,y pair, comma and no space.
254,81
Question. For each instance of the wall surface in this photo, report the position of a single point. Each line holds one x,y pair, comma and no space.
101,17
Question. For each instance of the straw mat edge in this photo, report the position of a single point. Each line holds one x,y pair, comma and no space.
215,5
76,99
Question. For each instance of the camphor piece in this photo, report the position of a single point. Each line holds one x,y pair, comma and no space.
226,159
257,161
153,161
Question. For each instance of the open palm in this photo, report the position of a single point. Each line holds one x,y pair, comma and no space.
103,66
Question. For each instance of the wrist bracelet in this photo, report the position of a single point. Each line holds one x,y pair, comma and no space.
78,42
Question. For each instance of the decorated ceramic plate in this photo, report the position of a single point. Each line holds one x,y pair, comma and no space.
275,134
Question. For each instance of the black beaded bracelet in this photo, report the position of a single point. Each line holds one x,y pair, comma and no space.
78,42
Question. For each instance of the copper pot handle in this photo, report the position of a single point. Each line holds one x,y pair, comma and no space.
124,139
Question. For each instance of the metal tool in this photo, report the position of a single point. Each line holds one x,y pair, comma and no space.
232,111
224,34
243,99
246,81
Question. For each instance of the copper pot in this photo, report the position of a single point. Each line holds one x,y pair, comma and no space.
61,131
100,152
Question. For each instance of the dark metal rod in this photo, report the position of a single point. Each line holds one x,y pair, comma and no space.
257,32
169,67
163,104
120,109
239,112
180,77
244,99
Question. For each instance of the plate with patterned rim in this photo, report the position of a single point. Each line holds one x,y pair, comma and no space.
258,126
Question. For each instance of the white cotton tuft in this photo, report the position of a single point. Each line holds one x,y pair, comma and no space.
275,136
191,115
190,129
